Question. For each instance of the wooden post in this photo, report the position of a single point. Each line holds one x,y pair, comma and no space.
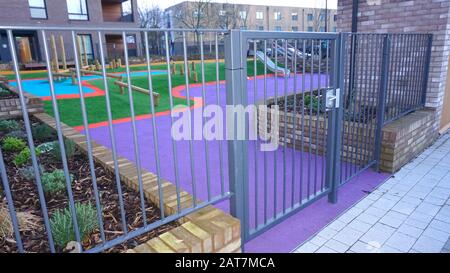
193,66
195,76
181,69
97,65
119,62
55,53
63,52
80,58
86,63
173,68
74,79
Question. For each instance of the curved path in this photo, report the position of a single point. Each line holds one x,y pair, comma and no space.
283,237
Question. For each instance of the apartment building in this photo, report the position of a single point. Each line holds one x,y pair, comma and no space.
68,13
190,14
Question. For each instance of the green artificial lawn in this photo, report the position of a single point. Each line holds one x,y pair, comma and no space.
70,110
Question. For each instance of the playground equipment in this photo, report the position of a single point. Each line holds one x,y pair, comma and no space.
271,65
123,85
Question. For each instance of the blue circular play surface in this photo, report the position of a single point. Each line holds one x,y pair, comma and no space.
41,87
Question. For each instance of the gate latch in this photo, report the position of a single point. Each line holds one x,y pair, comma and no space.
332,98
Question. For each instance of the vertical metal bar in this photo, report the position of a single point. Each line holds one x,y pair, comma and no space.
319,77
222,186
366,98
137,154
420,66
382,98
275,153
426,70
335,122
285,123
202,62
174,145
112,135
294,121
155,134
236,86
361,95
325,116
255,93
265,156
26,120
10,201
188,103
356,80
311,87
302,140
61,141
409,89
88,138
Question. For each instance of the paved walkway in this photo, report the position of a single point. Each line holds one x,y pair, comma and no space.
408,213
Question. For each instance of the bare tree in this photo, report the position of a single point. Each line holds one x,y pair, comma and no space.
196,15
152,17
318,18
227,17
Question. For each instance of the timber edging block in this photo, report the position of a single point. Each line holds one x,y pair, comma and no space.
208,229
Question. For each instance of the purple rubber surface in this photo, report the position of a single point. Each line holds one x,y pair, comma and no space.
286,235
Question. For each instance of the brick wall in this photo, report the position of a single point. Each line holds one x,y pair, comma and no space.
424,16
10,108
406,138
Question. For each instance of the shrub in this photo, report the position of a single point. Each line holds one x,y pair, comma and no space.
28,172
24,156
62,226
54,182
46,147
17,134
70,149
7,126
43,132
13,144
4,93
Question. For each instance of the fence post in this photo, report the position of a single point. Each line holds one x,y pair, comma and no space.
382,98
427,69
335,121
236,85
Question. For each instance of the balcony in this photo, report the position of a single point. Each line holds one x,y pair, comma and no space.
117,11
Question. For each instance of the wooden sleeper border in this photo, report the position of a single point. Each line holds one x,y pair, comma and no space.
207,230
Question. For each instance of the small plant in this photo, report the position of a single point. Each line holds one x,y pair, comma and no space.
17,134
4,93
70,149
13,144
312,102
7,126
62,225
43,132
46,147
24,156
54,182
28,172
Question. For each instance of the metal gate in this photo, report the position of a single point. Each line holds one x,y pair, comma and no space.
299,92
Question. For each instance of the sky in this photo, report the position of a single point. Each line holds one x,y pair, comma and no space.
332,4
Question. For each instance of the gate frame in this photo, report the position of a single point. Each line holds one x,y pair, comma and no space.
236,88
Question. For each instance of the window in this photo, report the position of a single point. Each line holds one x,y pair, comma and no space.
77,10
295,16
322,29
277,28
222,12
322,17
335,17
197,13
334,29
86,45
310,17
127,8
259,15
260,27
243,14
294,28
310,29
38,9
277,15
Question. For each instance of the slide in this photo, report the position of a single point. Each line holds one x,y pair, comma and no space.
291,51
271,65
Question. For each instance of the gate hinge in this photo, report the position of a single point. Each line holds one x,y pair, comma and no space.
332,99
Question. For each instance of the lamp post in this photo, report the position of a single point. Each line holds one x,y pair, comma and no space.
326,15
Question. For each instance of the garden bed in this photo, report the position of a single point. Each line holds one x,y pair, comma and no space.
26,199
